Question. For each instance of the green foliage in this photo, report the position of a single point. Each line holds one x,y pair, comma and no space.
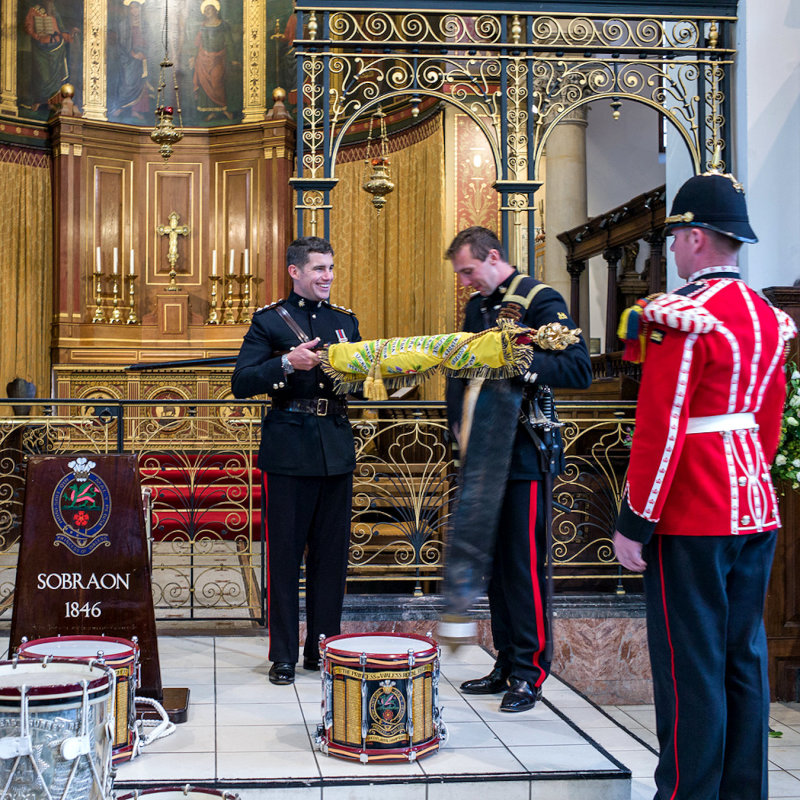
787,461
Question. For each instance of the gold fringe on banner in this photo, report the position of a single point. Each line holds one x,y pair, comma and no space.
379,364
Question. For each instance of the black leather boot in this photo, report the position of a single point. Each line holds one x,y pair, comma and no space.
494,682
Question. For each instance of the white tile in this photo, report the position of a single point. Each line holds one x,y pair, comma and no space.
247,766
388,791
264,739
642,788
185,739
166,767
284,793
471,761
607,789
239,676
783,784
481,790
471,734
585,716
562,758
641,763
202,693
615,740
256,693
259,714
458,711
199,714
785,757
522,729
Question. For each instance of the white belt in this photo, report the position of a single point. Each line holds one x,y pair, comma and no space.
722,422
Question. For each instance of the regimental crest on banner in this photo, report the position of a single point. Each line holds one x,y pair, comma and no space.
387,709
81,506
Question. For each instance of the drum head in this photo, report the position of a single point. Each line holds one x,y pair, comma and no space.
379,644
52,682
77,647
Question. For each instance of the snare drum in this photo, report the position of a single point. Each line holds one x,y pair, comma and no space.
121,655
380,697
54,737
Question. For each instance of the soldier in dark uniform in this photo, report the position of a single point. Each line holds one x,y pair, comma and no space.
517,596
307,454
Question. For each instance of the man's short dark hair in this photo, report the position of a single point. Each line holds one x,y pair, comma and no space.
480,241
300,249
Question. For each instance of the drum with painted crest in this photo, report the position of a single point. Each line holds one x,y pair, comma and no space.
55,742
122,655
380,697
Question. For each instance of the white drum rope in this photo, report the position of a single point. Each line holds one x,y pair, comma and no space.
163,727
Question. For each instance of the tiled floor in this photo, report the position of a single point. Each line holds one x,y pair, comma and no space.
245,734
256,739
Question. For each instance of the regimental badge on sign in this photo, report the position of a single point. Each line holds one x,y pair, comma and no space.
81,506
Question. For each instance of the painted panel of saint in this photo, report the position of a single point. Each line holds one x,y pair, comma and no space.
214,50
49,53
131,72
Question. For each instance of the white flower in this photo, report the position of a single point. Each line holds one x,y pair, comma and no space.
792,421
794,401
796,462
795,376
780,460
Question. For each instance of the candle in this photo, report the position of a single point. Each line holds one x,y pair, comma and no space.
131,261
115,260
230,270
246,262
214,263
99,266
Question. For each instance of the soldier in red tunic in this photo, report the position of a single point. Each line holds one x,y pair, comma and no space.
700,516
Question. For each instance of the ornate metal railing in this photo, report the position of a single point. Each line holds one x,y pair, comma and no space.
203,494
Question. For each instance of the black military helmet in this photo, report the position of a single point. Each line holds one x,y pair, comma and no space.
714,201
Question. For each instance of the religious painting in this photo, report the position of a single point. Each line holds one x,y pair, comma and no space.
49,53
212,63
281,62
132,66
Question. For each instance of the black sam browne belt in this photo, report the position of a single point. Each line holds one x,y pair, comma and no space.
320,406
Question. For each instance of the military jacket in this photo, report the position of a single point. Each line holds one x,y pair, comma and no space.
709,413
569,368
294,443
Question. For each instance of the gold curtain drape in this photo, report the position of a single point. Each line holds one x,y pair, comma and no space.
26,269
390,267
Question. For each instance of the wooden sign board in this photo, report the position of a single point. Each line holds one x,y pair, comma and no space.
84,567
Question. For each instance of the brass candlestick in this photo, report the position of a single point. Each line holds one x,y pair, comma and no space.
227,317
244,294
99,314
213,314
116,315
131,319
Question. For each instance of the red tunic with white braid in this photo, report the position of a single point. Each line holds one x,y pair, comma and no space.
714,349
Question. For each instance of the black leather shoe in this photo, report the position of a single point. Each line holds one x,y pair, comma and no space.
520,695
281,673
494,682
311,664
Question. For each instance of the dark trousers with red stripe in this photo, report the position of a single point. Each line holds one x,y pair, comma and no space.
312,512
708,650
517,597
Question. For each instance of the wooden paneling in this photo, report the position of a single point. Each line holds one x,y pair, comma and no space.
229,185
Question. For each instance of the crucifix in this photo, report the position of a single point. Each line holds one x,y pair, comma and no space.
173,230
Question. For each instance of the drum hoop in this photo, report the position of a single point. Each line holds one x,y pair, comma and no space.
431,649
59,693
186,789
130,647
